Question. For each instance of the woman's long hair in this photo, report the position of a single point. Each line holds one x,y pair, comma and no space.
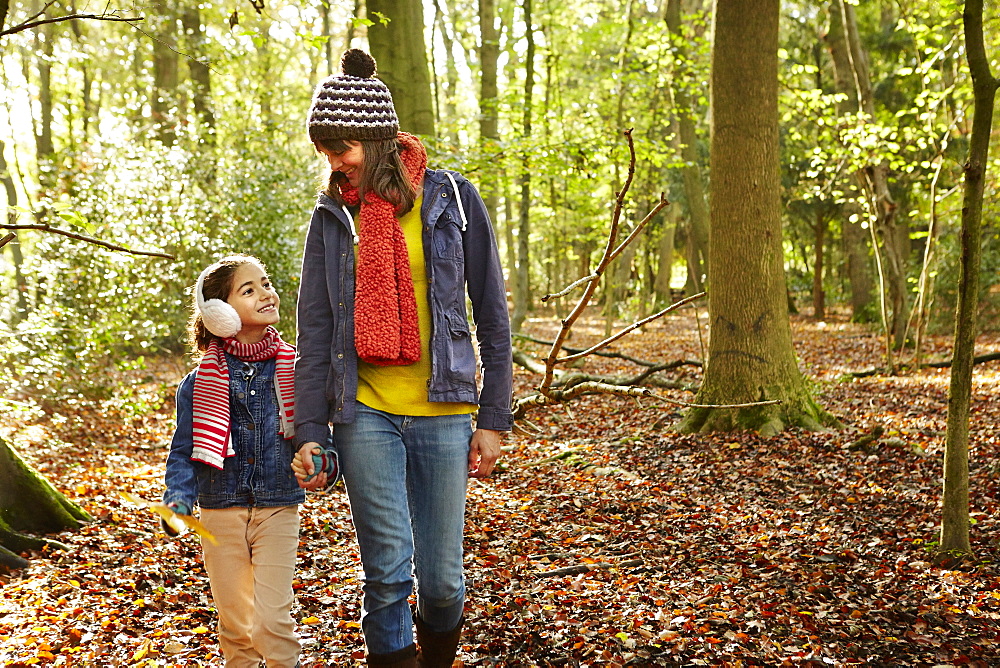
382,173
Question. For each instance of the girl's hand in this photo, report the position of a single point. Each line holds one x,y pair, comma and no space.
484,450
302,466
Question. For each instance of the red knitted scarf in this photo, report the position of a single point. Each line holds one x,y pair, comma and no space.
386,331
210,403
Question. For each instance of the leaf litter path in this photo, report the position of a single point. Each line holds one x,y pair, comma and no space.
675,550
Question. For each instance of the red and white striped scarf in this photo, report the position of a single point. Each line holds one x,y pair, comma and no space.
210,405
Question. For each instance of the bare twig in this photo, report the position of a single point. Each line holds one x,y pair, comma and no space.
45,227
617,355
591,284
10,236
633,326
572,286
69,17
642,223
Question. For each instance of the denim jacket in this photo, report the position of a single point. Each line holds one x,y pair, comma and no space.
260,473
459,263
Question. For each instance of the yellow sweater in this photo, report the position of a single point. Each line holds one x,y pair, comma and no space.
402,390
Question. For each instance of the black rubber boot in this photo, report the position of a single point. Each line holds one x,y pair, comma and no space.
401,658
437,649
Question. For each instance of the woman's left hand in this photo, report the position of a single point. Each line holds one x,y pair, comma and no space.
484,449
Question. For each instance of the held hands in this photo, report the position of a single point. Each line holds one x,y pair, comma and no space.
484,450
305,467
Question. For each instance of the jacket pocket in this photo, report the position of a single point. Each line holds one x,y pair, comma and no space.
448,238
462,358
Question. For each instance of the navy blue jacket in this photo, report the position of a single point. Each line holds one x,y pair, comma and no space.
458,263
260,473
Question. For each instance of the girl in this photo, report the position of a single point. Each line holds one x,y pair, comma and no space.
385,354
232,455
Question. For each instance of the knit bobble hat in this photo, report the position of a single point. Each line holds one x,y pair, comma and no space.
353,106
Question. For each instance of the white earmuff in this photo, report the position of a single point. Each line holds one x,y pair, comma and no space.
220,318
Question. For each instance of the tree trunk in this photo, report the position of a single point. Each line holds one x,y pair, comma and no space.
875,179
751,357
489,133
29,503
955,510
853,78
44,146
199,73
665,252
20,283
522,293
859,270
324,10
398,46
451,74
694,183
819,236
164,102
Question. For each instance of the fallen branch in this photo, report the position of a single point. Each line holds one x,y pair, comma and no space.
978,359
565,454
556,396
586,568
45,227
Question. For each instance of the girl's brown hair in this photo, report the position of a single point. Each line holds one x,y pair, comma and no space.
382,173
218,284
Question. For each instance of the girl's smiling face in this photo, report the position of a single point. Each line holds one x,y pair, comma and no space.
348,162
254,298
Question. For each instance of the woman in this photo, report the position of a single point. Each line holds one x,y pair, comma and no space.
385,355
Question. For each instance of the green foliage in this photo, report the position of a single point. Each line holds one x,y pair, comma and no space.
93,310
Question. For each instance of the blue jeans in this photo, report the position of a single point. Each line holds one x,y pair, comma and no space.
406,478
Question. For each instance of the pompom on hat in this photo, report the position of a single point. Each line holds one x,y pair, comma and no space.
354,105
219,317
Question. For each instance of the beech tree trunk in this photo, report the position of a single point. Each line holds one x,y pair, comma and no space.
522,287
164,102
955,510
859,271
853,79
687,137
819,293
751,357
29,503
198,71
398,47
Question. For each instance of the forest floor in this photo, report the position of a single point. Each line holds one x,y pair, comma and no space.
724,549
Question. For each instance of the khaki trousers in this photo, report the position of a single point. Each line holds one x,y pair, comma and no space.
251,571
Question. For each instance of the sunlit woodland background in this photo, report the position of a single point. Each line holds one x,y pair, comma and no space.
182,132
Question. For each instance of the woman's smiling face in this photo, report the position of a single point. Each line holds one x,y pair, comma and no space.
349,162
